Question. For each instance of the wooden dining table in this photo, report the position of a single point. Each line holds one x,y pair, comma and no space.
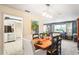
42,43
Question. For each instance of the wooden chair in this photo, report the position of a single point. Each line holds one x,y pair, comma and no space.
55,48
59,46
41,35
35,36
38,51
29,48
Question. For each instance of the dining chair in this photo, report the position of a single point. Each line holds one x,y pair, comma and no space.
38,51
59,46
53,49
29,48
41,35
35,36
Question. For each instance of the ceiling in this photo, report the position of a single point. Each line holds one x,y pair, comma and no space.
61,12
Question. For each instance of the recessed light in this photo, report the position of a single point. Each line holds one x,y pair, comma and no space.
27,11
47,4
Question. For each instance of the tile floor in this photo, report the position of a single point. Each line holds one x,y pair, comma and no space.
69,48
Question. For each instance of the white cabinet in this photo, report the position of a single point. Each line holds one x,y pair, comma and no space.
13,47
13,29
8,37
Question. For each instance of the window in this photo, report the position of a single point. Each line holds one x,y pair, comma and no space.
60,28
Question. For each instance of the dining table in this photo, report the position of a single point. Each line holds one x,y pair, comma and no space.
44,43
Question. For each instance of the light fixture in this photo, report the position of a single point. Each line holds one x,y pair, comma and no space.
46,12
47,15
